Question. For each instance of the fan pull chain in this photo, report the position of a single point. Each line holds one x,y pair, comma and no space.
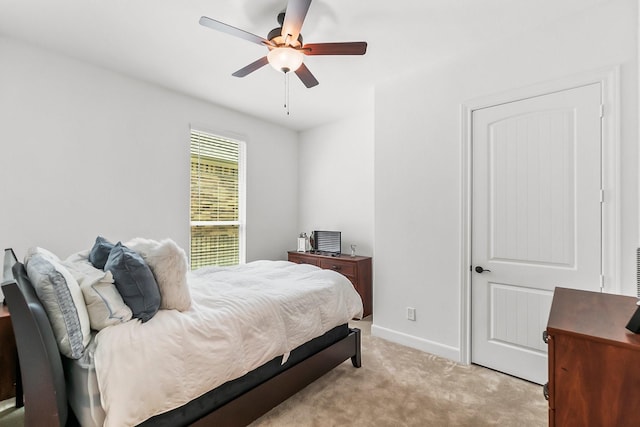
286,92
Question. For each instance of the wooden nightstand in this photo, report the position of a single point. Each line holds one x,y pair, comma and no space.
357,269
10,380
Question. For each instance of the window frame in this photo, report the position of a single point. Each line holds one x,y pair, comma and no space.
242,190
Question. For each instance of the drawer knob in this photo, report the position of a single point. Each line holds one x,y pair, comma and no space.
336,267
545,391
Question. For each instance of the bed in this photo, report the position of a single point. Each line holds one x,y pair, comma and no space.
63,391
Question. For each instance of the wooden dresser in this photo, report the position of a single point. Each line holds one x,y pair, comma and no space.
8,356
357,269
594,361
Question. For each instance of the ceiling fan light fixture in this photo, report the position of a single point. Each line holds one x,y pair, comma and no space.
285,44
285,59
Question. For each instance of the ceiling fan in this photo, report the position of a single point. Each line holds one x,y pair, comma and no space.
286,49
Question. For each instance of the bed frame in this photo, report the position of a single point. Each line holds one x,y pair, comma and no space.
43,376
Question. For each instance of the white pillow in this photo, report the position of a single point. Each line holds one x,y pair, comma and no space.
62,299
104,303
169,265
78,257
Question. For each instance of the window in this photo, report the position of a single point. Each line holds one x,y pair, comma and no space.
217,200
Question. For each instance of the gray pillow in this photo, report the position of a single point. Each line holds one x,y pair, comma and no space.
62,300
134,281
100,252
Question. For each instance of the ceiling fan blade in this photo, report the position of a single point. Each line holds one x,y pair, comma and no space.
348,48
226,28
305,75
251,67
293,19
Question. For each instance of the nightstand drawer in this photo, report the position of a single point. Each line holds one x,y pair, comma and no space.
8,355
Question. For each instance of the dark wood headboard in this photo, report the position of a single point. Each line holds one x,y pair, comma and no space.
40,361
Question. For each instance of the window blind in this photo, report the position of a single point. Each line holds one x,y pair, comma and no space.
215,225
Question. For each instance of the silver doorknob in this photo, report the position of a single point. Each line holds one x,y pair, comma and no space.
481,270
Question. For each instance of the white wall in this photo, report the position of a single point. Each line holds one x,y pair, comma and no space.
418,163
336,180
84,151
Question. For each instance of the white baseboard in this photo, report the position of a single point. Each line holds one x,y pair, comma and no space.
422,344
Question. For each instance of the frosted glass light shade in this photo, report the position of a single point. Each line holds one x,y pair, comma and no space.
285,59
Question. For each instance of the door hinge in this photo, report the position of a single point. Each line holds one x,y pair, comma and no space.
601,110
601,283
601,195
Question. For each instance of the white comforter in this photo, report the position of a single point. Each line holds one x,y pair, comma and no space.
241,317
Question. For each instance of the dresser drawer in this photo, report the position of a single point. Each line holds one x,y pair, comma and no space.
345,268
301,259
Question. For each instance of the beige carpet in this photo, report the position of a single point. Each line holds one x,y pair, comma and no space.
398,386
9,415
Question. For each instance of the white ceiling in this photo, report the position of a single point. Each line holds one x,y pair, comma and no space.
161,41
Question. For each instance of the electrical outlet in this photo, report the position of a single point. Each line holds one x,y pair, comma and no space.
411,313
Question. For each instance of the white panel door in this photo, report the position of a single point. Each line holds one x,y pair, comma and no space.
536,221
